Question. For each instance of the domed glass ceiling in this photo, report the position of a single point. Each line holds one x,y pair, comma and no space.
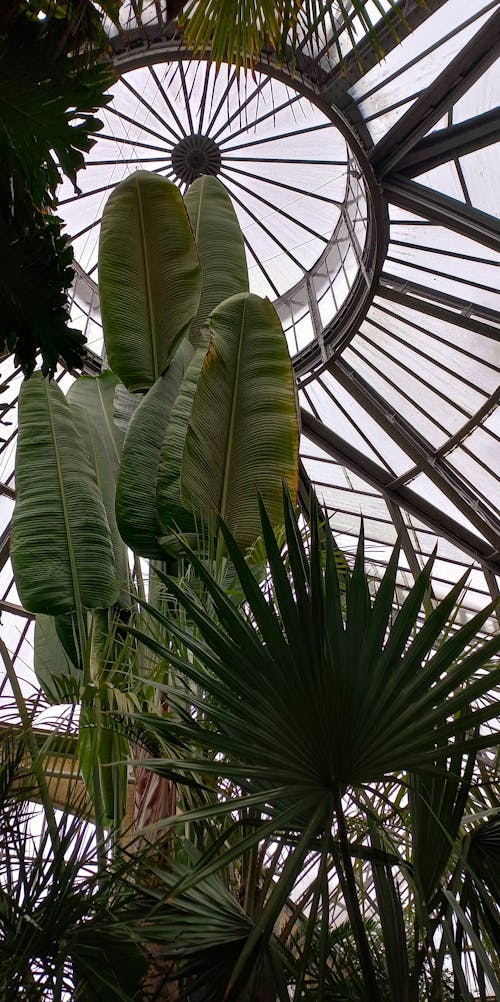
369,200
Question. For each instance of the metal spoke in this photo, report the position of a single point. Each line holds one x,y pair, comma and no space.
186,97
279,209
81,233
169,105
204,97
241,107
230,81
286,160
125,160
126,83
125,141
260,265
281,184
263,118
273,236
282,135
143,128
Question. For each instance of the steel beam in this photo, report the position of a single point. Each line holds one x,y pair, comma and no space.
403,496
417,449
455,80
443,210
455,141
441,305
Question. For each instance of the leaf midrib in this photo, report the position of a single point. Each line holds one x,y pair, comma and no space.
71,552
232,419
149,295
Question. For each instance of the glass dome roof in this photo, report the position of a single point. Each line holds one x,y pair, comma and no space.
369,200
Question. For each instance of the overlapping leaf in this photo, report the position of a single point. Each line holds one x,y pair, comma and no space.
149,277
62,552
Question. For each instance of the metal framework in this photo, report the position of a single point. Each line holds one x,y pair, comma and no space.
390,298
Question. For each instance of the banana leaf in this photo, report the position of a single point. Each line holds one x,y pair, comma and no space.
149,277
243,435
62,553
58,676
136,509
172,513
220,246
92,401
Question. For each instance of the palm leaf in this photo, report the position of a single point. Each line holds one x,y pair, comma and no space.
149,277
220,246
264,690
62,552
240,30
242,438
437,803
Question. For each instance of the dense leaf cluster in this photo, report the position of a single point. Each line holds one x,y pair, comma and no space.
50,89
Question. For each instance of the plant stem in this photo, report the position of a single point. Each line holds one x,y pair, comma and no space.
349,890
32,747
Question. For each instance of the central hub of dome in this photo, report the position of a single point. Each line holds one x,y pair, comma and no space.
195,155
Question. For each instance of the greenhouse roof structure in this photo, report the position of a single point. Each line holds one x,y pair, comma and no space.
367,192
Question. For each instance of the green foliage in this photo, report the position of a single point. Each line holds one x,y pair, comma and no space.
149,277
243,30
49,92
305,709
61,546
242,437
136,500
221,247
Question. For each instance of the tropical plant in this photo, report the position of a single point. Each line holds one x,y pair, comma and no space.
52,81
343,734
319,743
243,30
192,447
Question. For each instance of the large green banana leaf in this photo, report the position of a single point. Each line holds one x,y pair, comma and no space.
220,245
172,513
149,277
243,434
136,510
62,554
92,402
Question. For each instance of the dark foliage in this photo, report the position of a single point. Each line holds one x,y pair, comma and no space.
50,88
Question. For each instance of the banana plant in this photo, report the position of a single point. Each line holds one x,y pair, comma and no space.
209,366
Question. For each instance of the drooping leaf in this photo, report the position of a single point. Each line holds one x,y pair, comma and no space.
62,552
220,247
242,439
149,277
58,676
125,405
239,30
91,401
437,803
136,508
